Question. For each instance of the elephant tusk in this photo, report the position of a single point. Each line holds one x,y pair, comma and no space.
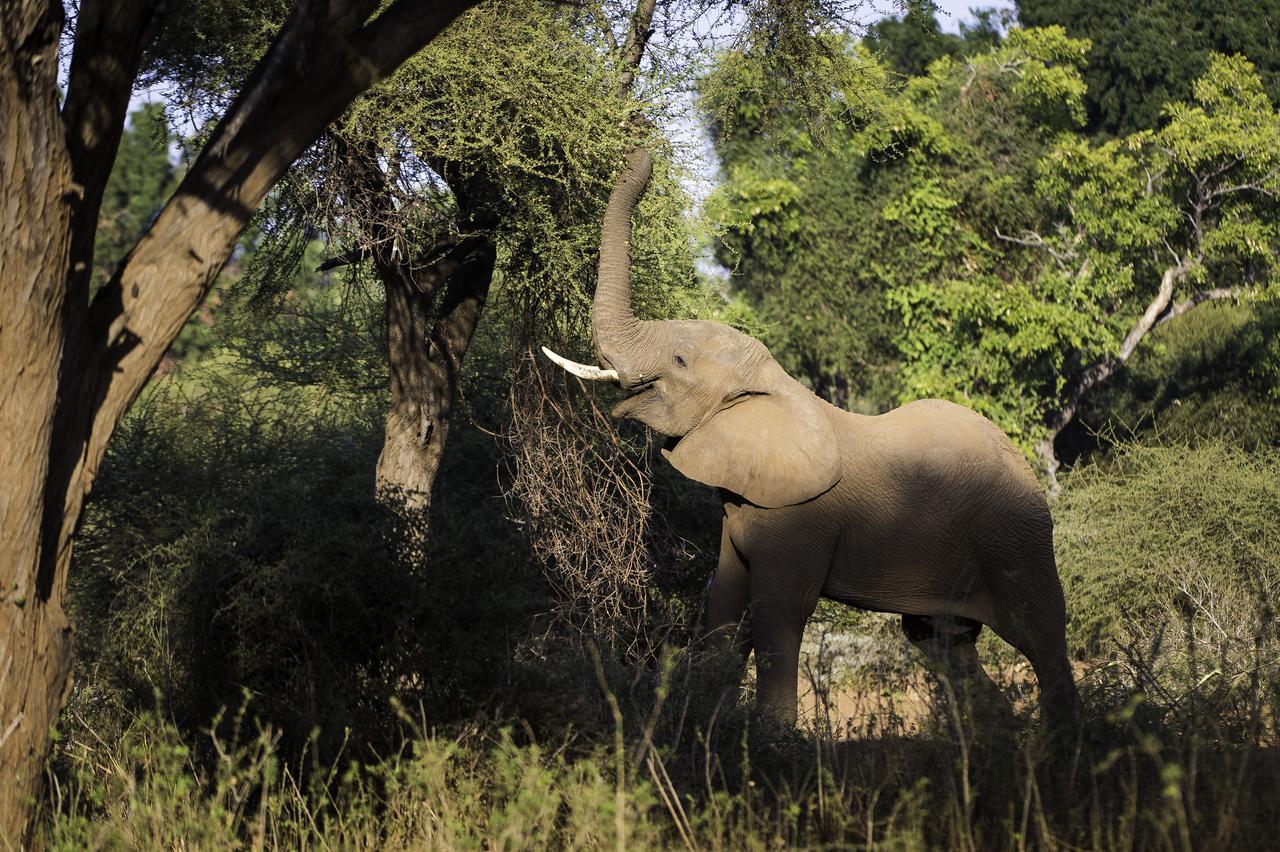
582,371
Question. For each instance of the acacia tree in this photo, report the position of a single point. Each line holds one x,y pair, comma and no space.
77,363
436,213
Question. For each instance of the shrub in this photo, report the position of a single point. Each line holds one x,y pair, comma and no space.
233,547
1157,535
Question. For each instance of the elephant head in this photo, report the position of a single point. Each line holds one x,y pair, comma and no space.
737,420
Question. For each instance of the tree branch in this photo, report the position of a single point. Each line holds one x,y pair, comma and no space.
1034,240
111,36
315,68
1211,295
1104,368
637,40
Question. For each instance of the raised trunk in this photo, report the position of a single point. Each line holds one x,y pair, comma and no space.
613,323
424,354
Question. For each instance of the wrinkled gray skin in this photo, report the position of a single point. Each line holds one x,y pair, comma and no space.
928,510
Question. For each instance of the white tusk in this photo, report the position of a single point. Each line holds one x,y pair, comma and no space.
582,371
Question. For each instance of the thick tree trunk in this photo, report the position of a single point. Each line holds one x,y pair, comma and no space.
71,369
424,355
35,236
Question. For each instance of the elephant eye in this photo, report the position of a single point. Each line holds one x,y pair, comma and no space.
680,361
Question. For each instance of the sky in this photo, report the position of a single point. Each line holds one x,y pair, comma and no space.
952,12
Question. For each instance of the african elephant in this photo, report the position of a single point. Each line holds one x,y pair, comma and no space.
927,510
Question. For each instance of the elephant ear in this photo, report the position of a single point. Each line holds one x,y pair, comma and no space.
773,449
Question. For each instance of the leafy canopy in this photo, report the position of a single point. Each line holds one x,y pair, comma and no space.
1190,206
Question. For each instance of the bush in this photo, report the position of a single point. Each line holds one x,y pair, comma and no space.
233,548
1158,535
1166,553
1211,374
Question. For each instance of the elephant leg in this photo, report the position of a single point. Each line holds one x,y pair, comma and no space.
1031,615
781,603
949,645
727,599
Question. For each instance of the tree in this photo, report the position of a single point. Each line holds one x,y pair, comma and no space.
82,360
1137,232
1145,55
910,44
519,194
1013,264
142,178
821,231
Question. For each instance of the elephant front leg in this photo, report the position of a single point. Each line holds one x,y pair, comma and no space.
777,628
726,615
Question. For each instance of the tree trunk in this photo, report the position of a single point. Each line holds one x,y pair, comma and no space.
424,358
424,348
72,369
35,237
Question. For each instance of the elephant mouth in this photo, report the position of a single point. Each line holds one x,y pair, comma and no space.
637,396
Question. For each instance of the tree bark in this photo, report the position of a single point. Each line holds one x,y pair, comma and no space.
72,372
424,347
424,357
35,236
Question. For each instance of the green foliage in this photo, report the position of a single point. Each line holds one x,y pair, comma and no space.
964,241
204,50
233,554
142,179
1214,373
1146,55
1173,537
1193,200
836,246
910,44
234,545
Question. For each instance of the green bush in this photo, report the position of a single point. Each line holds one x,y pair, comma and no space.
234,547
1167,554
1213,373
1157,535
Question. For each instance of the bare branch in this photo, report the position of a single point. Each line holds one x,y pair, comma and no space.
1211,295
1102,369
1260,186
1034,240
637,39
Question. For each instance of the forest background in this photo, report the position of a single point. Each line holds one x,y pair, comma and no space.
359,570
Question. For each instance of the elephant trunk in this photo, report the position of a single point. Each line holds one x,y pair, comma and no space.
617,333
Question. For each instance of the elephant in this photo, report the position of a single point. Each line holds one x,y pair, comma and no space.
928,510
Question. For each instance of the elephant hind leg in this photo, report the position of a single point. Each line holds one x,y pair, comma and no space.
1028,609
949,646
1039,633
1031,615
